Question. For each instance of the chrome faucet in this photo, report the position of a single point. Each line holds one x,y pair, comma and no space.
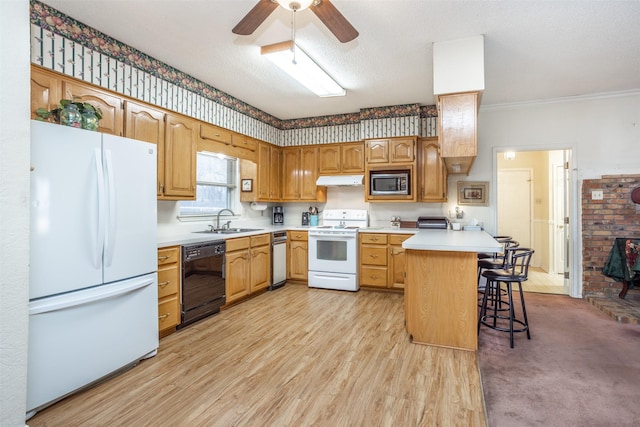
218,218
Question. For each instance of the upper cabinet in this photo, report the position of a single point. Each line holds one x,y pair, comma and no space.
390,151
432,174
146,123
267,187
457,120
336,159
299,175
109,104
180,157
45,90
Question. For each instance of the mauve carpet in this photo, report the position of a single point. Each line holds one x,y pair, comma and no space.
580,368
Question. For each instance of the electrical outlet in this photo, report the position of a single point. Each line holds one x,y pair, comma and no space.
597,195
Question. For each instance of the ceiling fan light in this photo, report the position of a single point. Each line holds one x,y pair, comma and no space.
304,70
295,4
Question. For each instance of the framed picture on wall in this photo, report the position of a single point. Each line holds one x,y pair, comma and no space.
473,193
247,185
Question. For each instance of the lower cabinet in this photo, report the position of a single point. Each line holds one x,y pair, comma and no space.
382,262
248,266
168,289
298,255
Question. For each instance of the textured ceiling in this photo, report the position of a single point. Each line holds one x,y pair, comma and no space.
533,49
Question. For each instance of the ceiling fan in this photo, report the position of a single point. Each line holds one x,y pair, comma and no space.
327,12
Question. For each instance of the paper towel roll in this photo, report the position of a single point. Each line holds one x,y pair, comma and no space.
258,206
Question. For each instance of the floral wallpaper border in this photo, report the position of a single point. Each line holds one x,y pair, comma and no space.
56,22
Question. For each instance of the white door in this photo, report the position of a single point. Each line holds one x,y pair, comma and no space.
514,205
65,253
559,214
131,228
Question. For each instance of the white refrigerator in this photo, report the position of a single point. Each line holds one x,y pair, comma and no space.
93,306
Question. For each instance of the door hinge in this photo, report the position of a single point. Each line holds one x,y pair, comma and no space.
566,165
566,274
566,220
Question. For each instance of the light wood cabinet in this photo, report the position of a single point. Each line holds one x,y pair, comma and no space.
346,158
145,123
298,255
109,104
180,157
382,262
397,264
168,289
458,133
373,259
391,151
238,268
248,266
45,90
269,168
260,262
299,175
432,173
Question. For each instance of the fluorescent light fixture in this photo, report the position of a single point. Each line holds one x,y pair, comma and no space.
302,68
509,155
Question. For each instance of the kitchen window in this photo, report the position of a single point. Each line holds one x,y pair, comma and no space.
216,176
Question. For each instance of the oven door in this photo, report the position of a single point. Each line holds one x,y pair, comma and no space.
333,251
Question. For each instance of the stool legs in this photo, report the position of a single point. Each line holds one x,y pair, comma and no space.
493,291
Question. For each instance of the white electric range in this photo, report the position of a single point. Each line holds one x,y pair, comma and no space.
333,249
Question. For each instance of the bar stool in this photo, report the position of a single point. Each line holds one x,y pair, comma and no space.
517,272
499,260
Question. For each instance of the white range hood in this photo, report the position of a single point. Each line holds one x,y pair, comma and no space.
339,180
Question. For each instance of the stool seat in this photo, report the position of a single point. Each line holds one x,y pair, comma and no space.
516,273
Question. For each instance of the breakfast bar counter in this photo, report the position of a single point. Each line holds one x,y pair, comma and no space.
441,303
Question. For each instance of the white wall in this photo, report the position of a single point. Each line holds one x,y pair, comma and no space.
14,210
603,133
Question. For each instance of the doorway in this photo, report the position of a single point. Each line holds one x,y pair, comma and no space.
533,207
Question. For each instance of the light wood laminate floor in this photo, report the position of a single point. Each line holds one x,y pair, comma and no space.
291,357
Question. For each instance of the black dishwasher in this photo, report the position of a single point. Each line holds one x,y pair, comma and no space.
203,281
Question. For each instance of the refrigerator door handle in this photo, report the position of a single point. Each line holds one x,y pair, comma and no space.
110,234
88,296
101,209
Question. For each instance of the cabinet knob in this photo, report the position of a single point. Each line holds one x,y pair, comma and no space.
162,258
164,316
163,284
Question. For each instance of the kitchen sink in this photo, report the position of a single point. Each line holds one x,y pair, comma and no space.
229,231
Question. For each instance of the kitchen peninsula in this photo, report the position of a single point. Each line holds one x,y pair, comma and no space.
441,286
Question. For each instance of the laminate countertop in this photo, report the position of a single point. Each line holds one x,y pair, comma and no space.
454,241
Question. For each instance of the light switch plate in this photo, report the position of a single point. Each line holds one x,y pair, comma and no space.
597,195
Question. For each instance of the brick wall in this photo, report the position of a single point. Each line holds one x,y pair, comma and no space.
604,220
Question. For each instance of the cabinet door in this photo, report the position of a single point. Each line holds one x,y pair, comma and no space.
353,158
260,268
397,265
180,157
290,170
377,151
238,273
308,173
146,124
264,171
458,120
110,105
45,91
298,260
329,159
432,173
402,150
275,169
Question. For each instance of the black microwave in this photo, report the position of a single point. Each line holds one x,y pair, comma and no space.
388,183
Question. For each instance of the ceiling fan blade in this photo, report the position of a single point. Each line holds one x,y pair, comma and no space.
255,17
334,21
